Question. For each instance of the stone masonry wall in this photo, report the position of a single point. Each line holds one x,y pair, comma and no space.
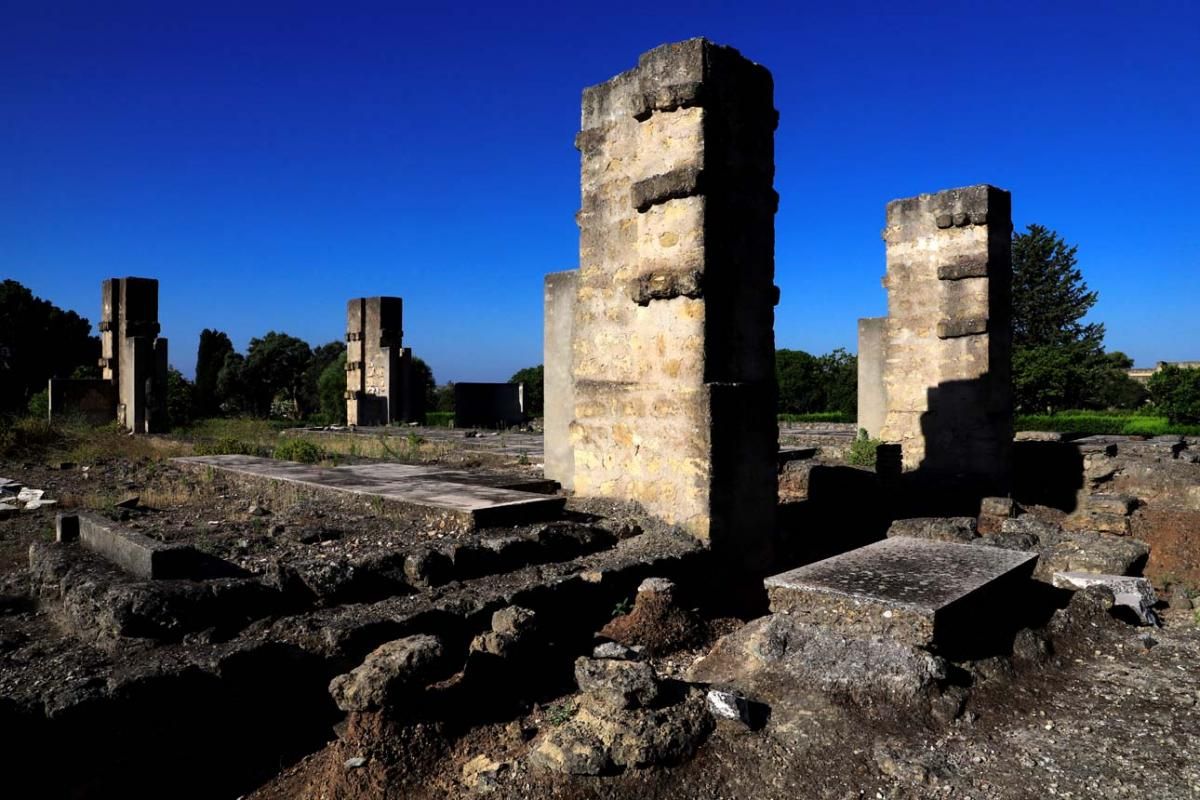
673,350
132,356
559,389
378,367
948,335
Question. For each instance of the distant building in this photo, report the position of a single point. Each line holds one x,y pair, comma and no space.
1142,374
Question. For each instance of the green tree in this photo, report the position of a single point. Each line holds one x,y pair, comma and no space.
534,379
1111,387
423,388
210,358
181,399
38,341
445,397
331,390
1176,393
1055,353
232,393
275,367
839,376
322,356
800,384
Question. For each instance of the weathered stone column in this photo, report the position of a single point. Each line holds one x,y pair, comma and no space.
949,336
133,358
872,399
559,388
673,355
377,365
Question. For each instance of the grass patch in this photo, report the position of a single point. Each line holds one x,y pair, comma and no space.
439,419
1111,423
297,449
818,416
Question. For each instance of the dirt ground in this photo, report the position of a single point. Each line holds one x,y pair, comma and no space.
1113,712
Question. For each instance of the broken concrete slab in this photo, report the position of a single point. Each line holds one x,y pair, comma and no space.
413,487
915,591
135,553
1136,594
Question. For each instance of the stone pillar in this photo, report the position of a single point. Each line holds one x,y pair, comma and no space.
949,336
872,401
674,349
377,366
133,358
559,390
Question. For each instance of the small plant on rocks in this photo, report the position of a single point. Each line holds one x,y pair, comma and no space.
862,452
559,713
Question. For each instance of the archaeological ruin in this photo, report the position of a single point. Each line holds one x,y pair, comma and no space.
662,593
133,362
672,331
378,367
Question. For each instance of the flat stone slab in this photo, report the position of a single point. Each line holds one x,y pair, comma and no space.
914,591
474,499
135,553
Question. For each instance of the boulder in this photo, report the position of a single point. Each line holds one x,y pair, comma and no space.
389,671
617,684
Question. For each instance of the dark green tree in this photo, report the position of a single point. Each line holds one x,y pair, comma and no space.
1055,353
445,397
331,390
275,367
1176,393
801,389
322,356
210,358
1111,387
423,388
534,379
839,375
233,395
38,341
181,399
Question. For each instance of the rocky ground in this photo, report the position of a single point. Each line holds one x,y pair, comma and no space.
361,655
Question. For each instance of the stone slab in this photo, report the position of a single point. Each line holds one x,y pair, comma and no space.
135,553
915,591
477,502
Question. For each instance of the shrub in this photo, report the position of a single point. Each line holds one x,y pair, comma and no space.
1176,393
818,416
229,446
862,451
439,419
300,450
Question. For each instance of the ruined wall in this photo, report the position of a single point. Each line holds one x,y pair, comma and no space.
673,352
559,388
872,397
132,356
378,367
948,335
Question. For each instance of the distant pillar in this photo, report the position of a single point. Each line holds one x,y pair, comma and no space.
133,357
872,401
674,348
559,408
948,336
378,367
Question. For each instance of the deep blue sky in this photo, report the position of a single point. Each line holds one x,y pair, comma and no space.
269,161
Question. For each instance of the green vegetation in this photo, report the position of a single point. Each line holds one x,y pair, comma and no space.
560,713
1058,359
1176,393
534,379
439,419
863,450
1114,422
811,384
39,341
819,416
296,449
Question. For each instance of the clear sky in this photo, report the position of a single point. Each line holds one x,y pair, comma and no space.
268,161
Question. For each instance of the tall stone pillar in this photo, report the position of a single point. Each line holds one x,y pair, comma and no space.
378,367
872,399
948,336
559,389
673,351
132,356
